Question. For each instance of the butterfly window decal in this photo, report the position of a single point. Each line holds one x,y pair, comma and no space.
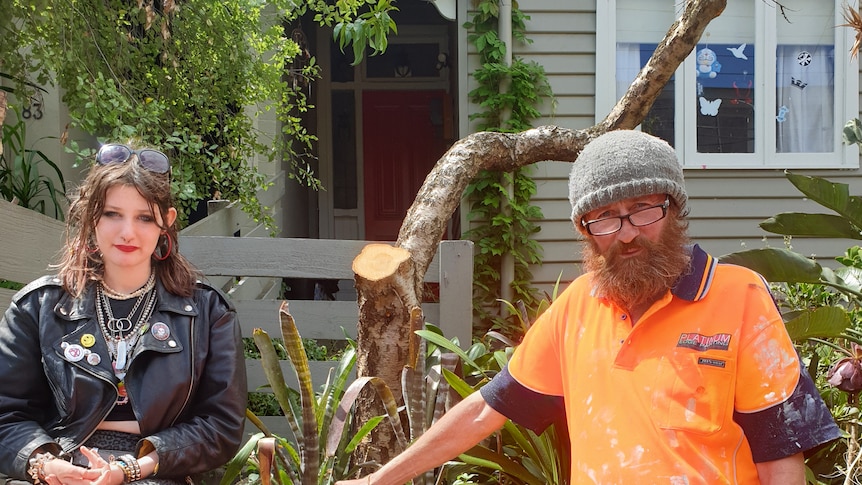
709,107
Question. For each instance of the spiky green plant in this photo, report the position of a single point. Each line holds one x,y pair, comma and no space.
319,451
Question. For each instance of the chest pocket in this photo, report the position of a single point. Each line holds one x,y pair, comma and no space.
693,392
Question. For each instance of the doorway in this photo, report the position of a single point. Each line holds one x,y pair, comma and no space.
403,137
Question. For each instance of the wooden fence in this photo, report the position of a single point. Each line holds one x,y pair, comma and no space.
236,255
29,242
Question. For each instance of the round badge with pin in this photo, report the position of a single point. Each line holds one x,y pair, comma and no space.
161,331
88,340
73,352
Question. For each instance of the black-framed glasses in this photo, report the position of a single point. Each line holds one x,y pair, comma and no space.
152,160
638,218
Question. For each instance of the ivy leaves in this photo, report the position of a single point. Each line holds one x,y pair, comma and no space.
503,220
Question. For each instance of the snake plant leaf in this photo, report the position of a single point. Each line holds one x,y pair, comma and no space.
334,388
811,225
439,387
413,390
821,322
832,195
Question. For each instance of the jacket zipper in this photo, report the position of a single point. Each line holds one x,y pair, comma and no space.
192,373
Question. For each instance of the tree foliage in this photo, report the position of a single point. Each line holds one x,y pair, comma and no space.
187,77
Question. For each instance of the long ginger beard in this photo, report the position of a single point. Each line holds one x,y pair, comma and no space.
639,280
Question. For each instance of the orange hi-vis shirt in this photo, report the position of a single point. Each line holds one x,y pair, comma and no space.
654,402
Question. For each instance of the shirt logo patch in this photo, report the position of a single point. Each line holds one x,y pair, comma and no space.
712,362
703,343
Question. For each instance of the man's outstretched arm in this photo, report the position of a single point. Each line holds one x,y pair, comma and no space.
461,428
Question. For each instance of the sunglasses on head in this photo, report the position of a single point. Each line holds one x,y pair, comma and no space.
152,160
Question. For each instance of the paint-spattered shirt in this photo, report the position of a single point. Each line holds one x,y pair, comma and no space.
704,385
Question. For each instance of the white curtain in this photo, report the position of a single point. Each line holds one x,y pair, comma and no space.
628,66
805,93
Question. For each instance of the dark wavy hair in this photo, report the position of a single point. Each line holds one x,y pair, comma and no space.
80,264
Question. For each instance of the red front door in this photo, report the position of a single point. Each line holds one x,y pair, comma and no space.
403,137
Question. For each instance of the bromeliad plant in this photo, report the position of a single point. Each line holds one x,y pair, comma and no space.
319,451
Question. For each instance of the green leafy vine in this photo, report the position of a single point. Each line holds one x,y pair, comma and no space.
495,231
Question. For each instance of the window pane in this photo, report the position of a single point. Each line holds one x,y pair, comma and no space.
341,68
405,60
641,24
659,121
725,98
344,193
805,78
724,94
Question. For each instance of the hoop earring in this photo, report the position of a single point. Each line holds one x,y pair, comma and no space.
164,253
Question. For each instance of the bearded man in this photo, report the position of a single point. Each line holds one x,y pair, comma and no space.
670,368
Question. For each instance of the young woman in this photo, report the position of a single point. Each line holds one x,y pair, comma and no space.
124,366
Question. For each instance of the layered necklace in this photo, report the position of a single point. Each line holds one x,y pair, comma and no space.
122,334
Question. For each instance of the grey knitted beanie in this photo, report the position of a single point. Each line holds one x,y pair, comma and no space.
622,164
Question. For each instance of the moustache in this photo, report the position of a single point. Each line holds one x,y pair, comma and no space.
638,242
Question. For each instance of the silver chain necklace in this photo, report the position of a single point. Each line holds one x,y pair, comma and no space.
116,295
121,334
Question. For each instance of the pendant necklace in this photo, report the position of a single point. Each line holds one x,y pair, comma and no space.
122,334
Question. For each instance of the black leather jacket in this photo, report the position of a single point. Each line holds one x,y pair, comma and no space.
188,391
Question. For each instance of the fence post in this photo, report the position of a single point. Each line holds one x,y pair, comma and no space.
456,290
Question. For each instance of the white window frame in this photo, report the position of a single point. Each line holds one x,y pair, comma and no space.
846,86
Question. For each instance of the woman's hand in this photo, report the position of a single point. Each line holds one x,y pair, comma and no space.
60,472
108,475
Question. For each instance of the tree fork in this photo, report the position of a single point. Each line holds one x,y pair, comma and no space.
441,193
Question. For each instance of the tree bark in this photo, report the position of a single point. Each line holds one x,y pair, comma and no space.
384,311
385,274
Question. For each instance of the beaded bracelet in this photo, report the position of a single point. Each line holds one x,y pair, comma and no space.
127,472
37,466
